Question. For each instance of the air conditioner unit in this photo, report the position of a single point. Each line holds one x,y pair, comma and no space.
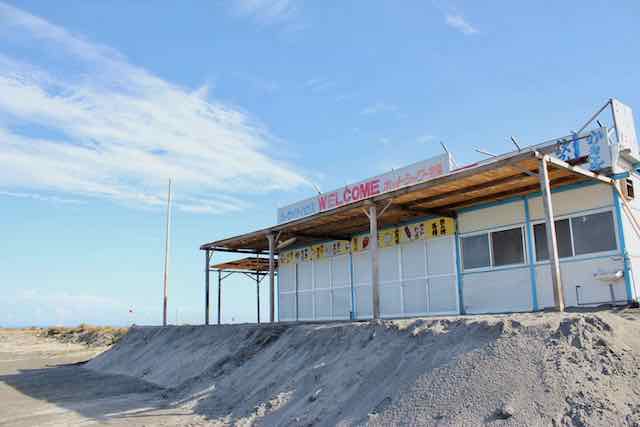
628,191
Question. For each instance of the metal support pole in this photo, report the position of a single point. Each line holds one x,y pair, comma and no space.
272,278
167,245
207,261
375,259
219,295
258,294
552,242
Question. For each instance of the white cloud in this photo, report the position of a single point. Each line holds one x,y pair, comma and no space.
379,107
267,11
89,123
458,22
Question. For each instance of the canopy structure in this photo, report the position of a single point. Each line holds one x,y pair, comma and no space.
496,179
255,268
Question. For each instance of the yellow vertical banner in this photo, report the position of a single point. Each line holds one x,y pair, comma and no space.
340,247
285,258
439,227
411,232
318,251
389,237
360,243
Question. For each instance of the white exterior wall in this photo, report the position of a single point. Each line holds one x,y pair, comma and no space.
632,240
419,277
509,288
500,289
416,278
577,273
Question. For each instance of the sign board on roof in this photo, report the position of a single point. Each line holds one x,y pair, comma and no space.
408,175
593,144
623,117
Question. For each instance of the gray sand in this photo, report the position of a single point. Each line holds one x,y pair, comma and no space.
524,369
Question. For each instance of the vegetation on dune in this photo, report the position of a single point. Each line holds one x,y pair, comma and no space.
87,334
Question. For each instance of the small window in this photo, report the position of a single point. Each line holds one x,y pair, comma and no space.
475,251
507,247
563,236
593,233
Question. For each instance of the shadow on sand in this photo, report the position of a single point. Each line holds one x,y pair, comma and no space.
90,394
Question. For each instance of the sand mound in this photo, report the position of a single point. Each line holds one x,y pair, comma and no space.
527,369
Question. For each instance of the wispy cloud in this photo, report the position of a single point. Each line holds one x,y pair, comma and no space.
425,139
88,123
379,107
40,197
458,22
266,11
321,84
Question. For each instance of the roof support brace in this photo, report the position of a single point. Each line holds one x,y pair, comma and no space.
552,243
574,169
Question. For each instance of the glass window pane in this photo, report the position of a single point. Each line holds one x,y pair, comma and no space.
507,247
563,236
593,233
475,251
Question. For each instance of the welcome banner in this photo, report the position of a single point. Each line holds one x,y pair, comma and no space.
409,175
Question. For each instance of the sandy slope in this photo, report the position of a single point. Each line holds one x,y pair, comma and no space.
526,369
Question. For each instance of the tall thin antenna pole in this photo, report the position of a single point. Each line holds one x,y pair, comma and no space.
166,256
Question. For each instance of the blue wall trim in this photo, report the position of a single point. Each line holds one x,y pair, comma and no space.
623,247
529,243
459,271
496,269
620,175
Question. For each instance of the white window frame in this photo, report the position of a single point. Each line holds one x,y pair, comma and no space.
492,266
614,251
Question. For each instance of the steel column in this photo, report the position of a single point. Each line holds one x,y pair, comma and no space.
258,294
272,281
219,295
552,243
207,262
375,260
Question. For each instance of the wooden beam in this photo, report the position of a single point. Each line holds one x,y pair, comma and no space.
552,243
508,193
416,211
477,187
323,236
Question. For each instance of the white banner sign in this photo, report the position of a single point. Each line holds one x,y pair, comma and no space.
409,175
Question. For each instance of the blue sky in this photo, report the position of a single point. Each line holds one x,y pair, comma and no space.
245,104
